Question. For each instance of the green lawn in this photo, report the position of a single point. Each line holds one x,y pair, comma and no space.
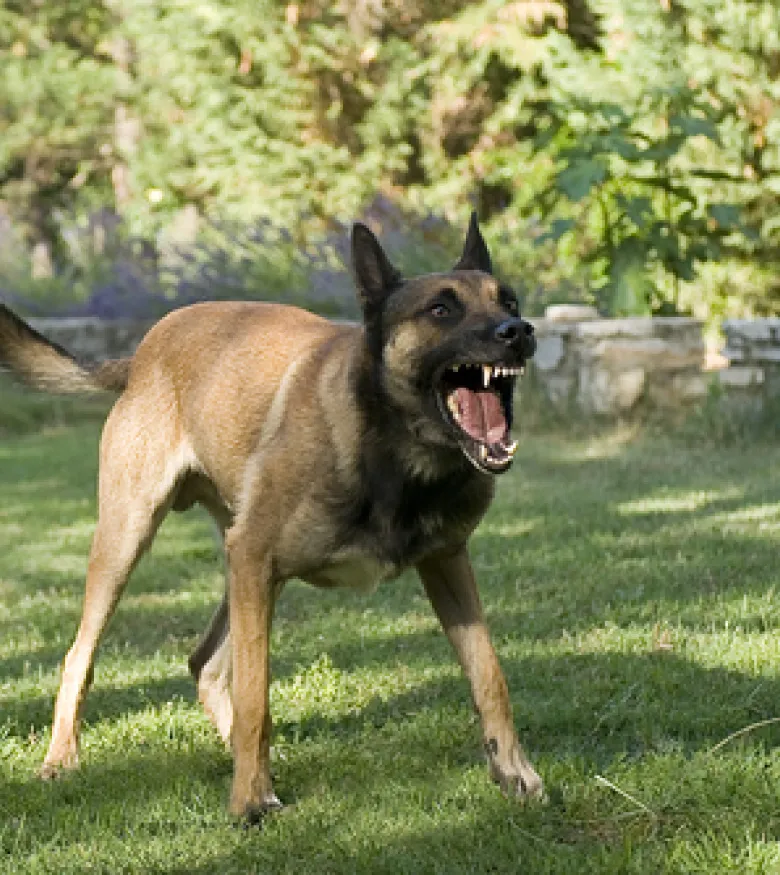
632,586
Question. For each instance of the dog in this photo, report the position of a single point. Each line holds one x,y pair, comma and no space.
339,454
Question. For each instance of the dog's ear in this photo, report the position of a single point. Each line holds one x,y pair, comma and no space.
475,252
376,278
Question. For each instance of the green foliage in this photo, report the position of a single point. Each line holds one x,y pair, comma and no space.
628,188
622,151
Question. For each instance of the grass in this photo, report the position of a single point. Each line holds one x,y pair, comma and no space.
632,586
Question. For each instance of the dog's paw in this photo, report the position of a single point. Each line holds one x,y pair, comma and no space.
254,813
515,775
525,784
53,769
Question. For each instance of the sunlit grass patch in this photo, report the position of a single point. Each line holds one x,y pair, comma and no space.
672,501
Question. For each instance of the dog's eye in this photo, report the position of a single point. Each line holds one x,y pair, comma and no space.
439,310
508,301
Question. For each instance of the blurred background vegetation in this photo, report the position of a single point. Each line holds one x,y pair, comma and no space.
620,152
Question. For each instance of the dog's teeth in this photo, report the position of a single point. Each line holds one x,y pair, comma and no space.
512,448
456,367
486,372
453,405
483,453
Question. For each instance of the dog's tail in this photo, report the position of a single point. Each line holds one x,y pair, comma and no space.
42,364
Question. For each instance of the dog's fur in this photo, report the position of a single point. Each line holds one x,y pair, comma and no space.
323,452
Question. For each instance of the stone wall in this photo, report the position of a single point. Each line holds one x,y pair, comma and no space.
612,367
753,352
93,338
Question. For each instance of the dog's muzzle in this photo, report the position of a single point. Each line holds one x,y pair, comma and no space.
517,334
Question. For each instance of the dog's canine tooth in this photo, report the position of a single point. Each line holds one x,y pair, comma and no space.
452,404
486,374
483,452
512,448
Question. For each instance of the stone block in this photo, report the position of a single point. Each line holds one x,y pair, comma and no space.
93,338
550,350
544,327
570,313
639,326
734,354
689,387
557,388
740,377
676,391
651,352
753,330
610,392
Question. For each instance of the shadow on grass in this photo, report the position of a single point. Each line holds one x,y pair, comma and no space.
34,713
325,623
617,538
675,708
597,706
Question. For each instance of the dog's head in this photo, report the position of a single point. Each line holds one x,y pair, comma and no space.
447,348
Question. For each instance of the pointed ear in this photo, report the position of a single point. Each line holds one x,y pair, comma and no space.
475,252
374,275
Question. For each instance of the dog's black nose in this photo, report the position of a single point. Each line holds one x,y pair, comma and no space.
510,331
518,333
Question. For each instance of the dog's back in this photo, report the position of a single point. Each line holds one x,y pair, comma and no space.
224,373
218,374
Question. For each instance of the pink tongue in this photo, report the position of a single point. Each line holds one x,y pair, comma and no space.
481,415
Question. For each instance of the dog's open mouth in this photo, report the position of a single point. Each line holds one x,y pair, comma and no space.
476,399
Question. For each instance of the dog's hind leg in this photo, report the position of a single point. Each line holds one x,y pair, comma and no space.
139,472
211,664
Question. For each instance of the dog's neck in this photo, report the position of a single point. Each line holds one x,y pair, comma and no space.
386,425
410,490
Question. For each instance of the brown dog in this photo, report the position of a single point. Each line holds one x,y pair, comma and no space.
339,454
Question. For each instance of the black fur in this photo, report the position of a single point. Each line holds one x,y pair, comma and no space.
397,515
475,253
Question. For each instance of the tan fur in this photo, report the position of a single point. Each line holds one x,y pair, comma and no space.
252,411
42,365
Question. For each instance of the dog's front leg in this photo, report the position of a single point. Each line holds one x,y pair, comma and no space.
251,599
449,582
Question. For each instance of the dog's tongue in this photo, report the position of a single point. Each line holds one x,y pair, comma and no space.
481,415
